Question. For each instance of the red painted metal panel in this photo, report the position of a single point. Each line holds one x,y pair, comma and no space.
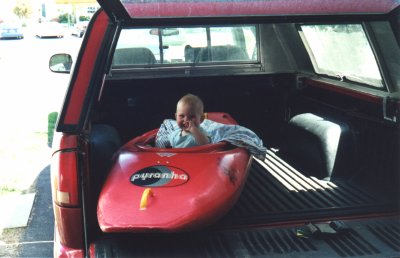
62,251
276,7
346,91
85,71
221,117
63,141
70,227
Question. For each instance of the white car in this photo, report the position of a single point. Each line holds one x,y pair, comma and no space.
79,29
50,30
11,31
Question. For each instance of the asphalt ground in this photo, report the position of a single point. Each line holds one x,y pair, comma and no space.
35,240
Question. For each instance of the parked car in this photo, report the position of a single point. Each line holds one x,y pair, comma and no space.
319,86
79,29
11,31
50,30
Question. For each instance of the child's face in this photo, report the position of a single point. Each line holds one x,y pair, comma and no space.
186,113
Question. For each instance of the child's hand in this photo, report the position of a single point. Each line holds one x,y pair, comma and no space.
189,126
186,125
194,128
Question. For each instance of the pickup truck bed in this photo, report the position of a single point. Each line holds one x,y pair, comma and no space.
366,238
274,209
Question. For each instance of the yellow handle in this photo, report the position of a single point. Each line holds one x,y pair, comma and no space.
147,193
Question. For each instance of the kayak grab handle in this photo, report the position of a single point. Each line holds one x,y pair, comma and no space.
147,193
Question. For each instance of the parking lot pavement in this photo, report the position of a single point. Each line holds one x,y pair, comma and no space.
35,240
38,236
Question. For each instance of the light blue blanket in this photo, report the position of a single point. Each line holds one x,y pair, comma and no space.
235,134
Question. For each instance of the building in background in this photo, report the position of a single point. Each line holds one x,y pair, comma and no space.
79,10
64,11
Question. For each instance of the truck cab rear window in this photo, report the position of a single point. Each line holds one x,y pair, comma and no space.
186,46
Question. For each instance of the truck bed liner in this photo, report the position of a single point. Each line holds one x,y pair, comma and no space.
275,191
365,238
276,202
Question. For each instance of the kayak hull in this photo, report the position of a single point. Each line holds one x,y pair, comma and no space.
154,189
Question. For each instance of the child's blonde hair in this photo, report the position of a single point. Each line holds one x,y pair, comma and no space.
194,101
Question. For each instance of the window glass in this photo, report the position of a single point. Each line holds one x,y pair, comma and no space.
343,51
191,45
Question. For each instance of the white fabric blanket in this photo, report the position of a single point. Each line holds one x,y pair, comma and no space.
235,134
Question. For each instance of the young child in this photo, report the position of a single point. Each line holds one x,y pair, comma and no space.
189,115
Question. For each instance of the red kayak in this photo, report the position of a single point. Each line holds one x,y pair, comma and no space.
166,189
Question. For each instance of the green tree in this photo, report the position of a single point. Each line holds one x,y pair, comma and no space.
66,18
84,18
23,9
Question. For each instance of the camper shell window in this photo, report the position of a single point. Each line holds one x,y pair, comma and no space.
159,47
342,51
